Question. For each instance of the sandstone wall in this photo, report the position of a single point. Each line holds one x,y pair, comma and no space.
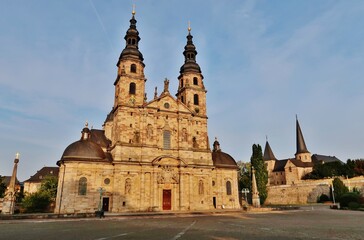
307,191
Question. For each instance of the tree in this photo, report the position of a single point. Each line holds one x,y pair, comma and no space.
49,185
244,177
261,173
2,187
41,200
339,188
36,202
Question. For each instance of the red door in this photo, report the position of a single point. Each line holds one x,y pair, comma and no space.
167,199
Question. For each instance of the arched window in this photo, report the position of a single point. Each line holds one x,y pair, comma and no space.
195,81
166,139
195,99
182,99
133,68
82,186
132,88
181,82
200,187
133,41
228,188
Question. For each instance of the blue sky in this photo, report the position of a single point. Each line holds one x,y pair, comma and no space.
263,63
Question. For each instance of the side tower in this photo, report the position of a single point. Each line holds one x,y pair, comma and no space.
302,153
130,81
270,160
191,90
129,89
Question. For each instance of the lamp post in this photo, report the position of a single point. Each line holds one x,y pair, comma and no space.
101,191
100,212
333,194
245,191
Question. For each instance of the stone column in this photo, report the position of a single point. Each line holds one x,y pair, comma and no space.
9,199
255,193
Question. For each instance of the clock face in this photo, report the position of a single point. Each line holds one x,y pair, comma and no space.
132,100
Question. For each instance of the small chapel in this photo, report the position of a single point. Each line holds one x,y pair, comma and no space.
150,155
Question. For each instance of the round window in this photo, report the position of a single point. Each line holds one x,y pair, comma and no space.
107,180
166,105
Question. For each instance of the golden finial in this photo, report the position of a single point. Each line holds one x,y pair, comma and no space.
189,26
133,12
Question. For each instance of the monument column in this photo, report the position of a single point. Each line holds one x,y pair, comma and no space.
255,193
9,199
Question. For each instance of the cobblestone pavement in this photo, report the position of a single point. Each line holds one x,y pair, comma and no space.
308,223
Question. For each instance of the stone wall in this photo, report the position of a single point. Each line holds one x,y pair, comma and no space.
307,191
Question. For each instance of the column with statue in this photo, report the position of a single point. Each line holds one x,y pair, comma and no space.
10,193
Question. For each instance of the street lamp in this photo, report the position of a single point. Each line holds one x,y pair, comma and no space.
245,191
100,212
333,194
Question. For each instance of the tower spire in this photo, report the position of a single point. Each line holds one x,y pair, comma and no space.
131,50
300,141
133,11
268,153
190,53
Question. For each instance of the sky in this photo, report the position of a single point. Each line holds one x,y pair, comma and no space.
263,62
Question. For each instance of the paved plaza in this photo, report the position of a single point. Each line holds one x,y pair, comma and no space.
306,223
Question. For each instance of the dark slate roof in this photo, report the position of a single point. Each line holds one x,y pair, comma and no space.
45,171
300,141
98,137
279,165
223,160
268,153
316,158
299,163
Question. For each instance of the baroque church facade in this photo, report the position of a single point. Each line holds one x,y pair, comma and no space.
150,155
290,171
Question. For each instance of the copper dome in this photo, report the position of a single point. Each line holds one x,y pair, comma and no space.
83,150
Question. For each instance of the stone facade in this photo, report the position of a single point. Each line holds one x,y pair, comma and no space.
151,155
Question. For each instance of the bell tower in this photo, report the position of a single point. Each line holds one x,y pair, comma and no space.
191,90
130,81
302,153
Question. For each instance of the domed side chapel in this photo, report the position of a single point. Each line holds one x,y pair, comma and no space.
151,155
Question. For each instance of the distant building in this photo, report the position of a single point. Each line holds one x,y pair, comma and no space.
291,170
34,182
150,155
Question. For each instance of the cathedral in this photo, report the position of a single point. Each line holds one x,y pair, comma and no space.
150,155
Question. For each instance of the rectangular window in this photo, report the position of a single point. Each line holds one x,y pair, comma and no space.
166,139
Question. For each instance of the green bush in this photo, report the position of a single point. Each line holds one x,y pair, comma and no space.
353,205
350,197
339,188
36,202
